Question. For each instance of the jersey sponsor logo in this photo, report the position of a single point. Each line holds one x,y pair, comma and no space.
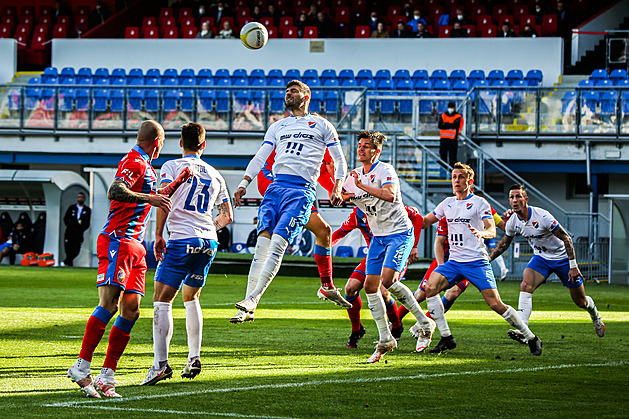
121,275
100,277
459,220
535,224
469,205
112,253
312,124
304,135
200,249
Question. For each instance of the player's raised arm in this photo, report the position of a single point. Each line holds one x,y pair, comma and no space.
562,235
253,168
119,191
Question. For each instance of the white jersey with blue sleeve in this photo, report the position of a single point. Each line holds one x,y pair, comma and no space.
465,246
539,231
193,202
384,217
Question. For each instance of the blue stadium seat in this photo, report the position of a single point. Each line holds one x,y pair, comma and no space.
534,77
170,99
387,106
117,73
275,73
66,99
276,101
206,96
599,74
275,83
625,103
519,94
152,73
67,72
362,252
101,97
116,98
622,83
604,83
382,75
82,99
363,74
50,75
153,81
456,75
186,73
586,83
221,73
239,73
255,74
368,83
258,95
422,84
498,83
344,252
327,74
474,76
346,74
589,100
239,248
291,74
514,75
419,75
133,73
204,74
151,100
312,82
617,75
406,87
439,74
118,81
401,75
568,103
316,100
187,81
84,72
495,75
441,84
169,73
170,81
101,72
349,83
609,101
310,74
331,99
187,99
222,96
461,85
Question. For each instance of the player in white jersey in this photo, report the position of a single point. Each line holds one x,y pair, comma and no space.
469,223
300,142
375,189
186,258
553,252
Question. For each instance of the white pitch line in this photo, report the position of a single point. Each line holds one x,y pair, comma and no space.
182,412
323,382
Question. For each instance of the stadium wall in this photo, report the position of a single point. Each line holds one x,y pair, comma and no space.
487,54
8,63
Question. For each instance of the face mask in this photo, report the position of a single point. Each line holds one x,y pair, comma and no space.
373,18
201,11
80,202
417,17
537,9
220,9
460,17
450,110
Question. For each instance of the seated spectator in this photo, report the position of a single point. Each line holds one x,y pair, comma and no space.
227,32
205,32
21,241
325,27
529,32
422,32
271,11
219,11
408,11
506,31
312,13
256,14
99,15
301,24
380,32
401,31
373,22
458,31
459,17
416,19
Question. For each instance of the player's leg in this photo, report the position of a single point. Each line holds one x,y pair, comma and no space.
259,257
531,280
352,294
392,313
194,330
452,293
420,294
437,283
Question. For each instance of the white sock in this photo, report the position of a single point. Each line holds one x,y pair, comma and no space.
501,264
162,331
591,308
512,317
405,297
83,365
525,306
277,247
107,371
378,311
194,327
259,257
435,307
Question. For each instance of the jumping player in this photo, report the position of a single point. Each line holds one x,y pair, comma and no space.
121,264
375,189
469,222
186,258
300,142
554,252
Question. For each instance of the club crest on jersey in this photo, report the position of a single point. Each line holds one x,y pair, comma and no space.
553,224
120,275
535,224
312,124
469,205
371,177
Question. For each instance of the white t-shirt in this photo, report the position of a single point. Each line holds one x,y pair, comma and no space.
464,246
300,143
193,202
538,230
384,217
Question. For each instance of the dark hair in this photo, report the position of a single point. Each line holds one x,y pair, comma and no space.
376,138
81,193
192,136
518,187
465,168
302,86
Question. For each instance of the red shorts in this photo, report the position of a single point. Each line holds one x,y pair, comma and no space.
121,262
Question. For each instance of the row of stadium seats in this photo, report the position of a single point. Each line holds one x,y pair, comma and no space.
419,79
597,102
599,77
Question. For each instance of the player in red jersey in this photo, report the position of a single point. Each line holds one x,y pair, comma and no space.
356,281
121,264
319,227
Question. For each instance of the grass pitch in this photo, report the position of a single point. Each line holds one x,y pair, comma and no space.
292,361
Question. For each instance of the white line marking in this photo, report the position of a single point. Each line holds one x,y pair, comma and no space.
180,412
322,382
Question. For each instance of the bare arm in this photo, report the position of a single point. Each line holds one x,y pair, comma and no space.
429,220
240,192
225,215
386,193
501,247
490,229
440,253
561,234
337,193
118,191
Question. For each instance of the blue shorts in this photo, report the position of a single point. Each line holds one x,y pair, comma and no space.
285,209
5,245
560,267
186,261
389,252
491,243
478,272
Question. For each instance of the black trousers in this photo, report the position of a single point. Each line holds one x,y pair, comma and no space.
448,150
72,247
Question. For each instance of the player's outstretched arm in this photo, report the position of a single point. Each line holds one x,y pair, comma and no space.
225,215
429,220
501,247
336,198
118,191
562,235
241,191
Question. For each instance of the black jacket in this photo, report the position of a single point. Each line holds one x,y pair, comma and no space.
76,225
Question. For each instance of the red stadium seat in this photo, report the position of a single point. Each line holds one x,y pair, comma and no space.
186,22
498,12
167,21
27,11
359,6
272,30
488,31
184,12
41,29
338,3
520,11
28,21
82,11
23,30
476,11
506,18
148,22
267,21
45,20
81,23
444,31
435,13
527,20
22,41
242,12
471,30
9,11
60,31
9,21
64,20
171,32
5,31
151,32
189,32
132,32
210,20
242,21
549,25
362,31
39,41
342,16
289,32
311,32
164,13
286,21
44,10
393,12
484,20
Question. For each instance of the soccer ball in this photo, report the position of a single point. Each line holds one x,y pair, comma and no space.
254,35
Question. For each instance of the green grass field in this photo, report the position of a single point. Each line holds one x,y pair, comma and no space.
292,361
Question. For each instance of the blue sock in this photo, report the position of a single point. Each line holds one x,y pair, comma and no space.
446,303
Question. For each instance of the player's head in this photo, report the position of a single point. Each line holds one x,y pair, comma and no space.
151,138
192,137
462,179
369,146
80,198
518,198
297,96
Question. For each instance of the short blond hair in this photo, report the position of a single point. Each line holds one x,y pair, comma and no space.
465,169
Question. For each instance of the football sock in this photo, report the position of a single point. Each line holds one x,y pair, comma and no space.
446,303
259,257
354,312
277,248
162,331
513,318
392,313
118,339
501,264
323,258
377,308
107,371
194,327
435,307
94,331
402,312
525,306
591,307
405,296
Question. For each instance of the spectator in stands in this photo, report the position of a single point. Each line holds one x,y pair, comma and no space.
312,13
21,241
224,239
177,5
301,24
6,226
459,17
227,32
99,15
39,233
77,221
220,11
373,21
539,13
450,125
506,31
422,32
564,24
271,11
415,20
402,31
408,11
458,31
257,14
200,13
380,31
205,32
529,32
60,9
325,27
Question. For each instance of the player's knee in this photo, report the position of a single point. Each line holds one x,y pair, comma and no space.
324,233
526,287
497,306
